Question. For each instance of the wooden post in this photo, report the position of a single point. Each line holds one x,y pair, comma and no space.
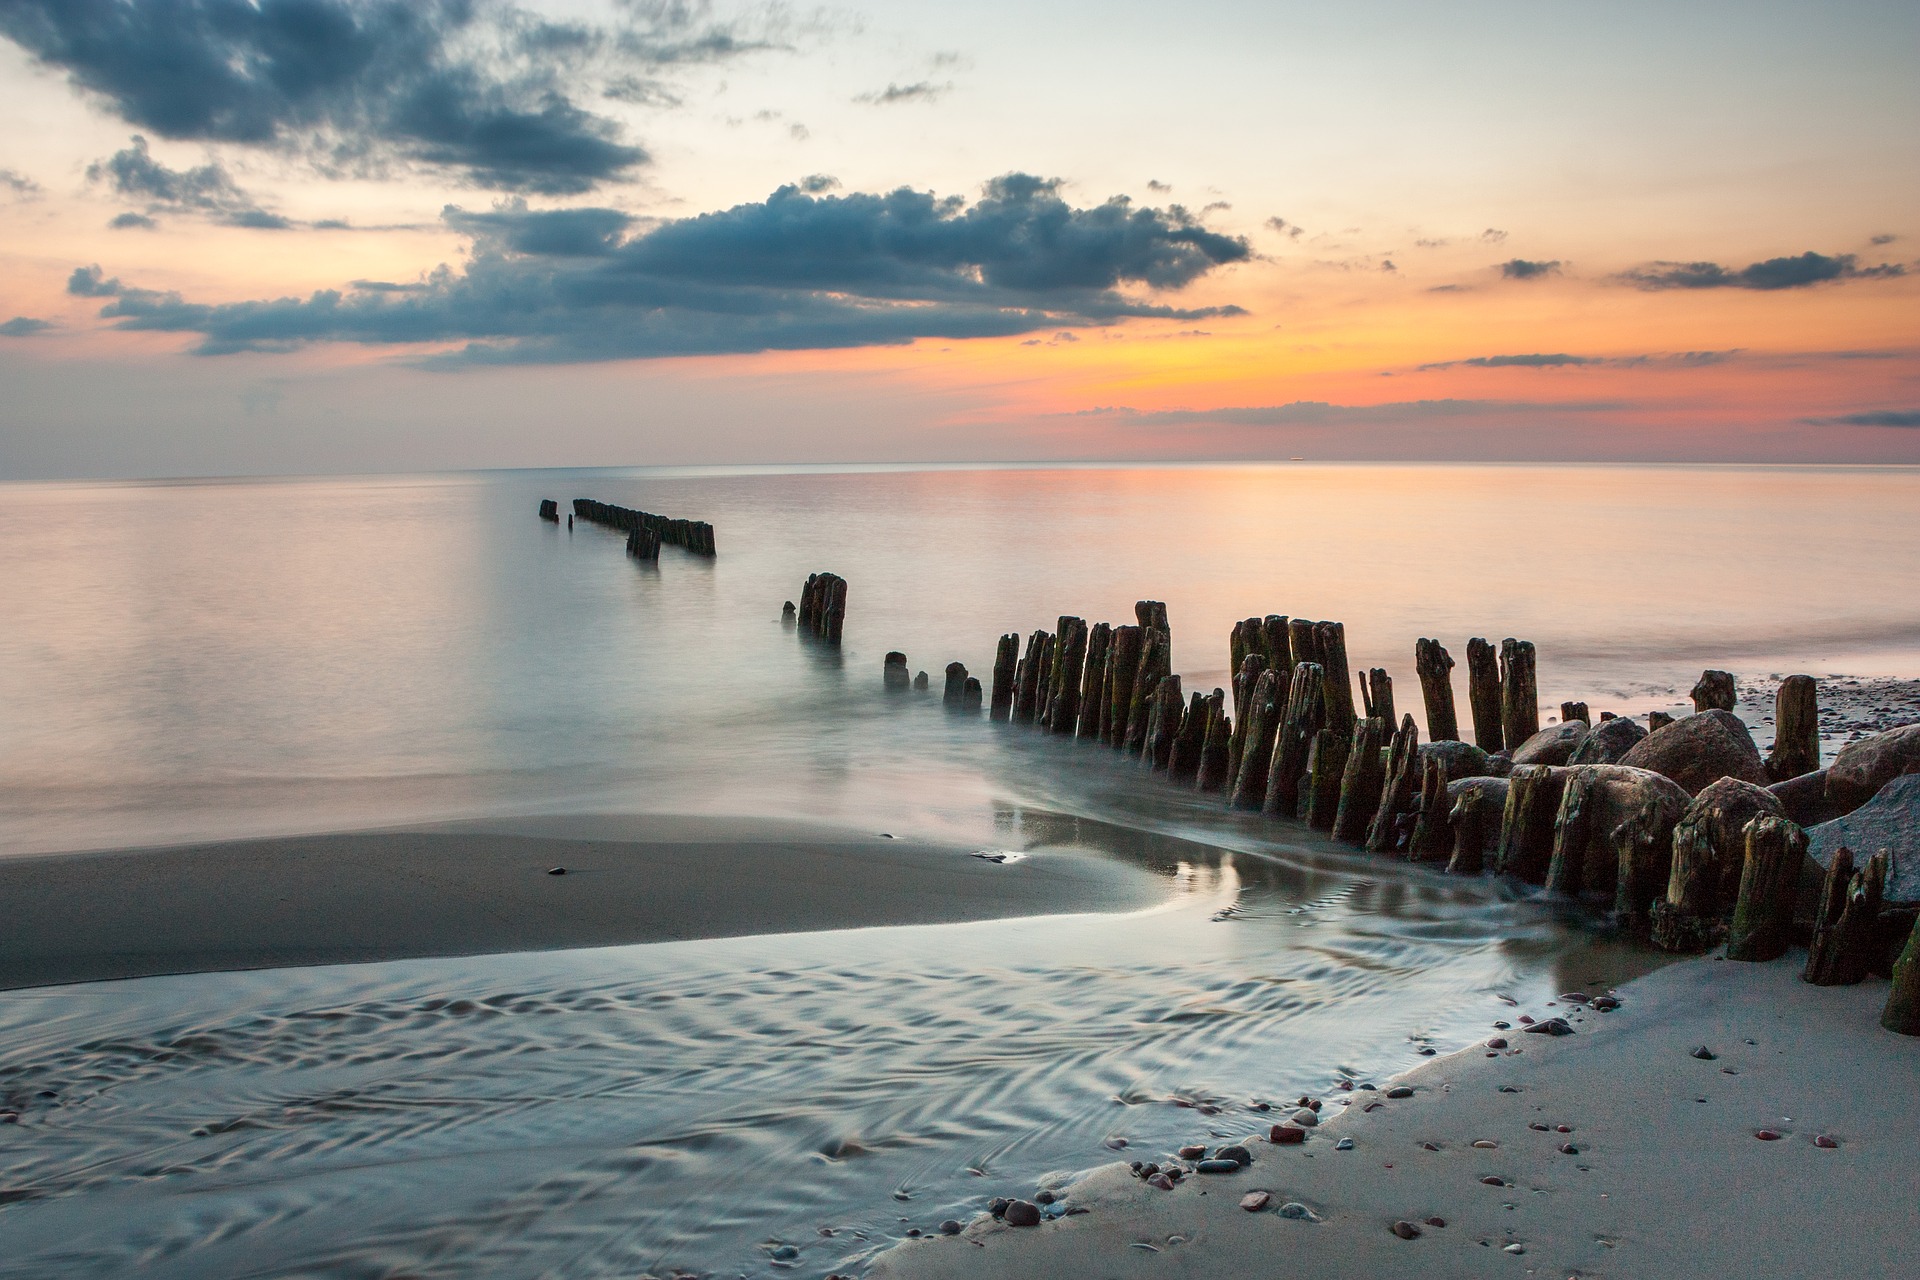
1842,947
1006,662
1152,614
1026,699
1155,665
1255,733
920,682
1163,726
1360,783
1273,630
1433,832
1902,1012
956,685
1043,679
1301,644
1396,795
1252,667
1572,829
1123,664
1714,690
1763,913
550,510
1643,846
1575,711
1483,694
1244,639
1326,771
970,697
1184,760
1305,716
1376,695
893,673
1471,817
1688,920
1526,827
1435,667
1796,729
1093,680
1330,640
1212,775
1519,694
789,614
1069,670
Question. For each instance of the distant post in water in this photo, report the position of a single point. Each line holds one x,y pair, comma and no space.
1005,659
1070,659
550,510
1519,694
1093,681
1435,668
956,685
1483,695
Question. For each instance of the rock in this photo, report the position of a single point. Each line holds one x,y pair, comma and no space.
1552,1027
1486,1144
1586,855
1705,1054
1116,1144
1162,1181
1218,1166
1825,1143
1605,1004
1890,821
1023,1213
1805,798
1236,1153
1607,741
1568,1149
1498,1042
1554,744
1436,1221
1345,1144
1299,1212
951,1227
1700,750
1045,1198
1400,1091
1255,1201
1462,759
785,1253
1406,1230
1720,814
1859,771
1769,1135
1192,1152
1515,1248
556,871
1491,1181
998,1208
1286,1135
1305,1118
1563,1128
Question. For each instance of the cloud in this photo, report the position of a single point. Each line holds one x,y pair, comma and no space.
132,222
1536,360
1872,418
796,271
481,89
1522,269
1879,240
1320,413
1774,273
919,91
24,327
15,185
1493,235
208,191
1282,227
815,183
1562,360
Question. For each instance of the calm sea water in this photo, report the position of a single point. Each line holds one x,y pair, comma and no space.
193,660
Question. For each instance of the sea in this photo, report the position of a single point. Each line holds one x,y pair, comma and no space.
194,660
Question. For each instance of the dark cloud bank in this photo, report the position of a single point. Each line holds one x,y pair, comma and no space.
796,271
1774,273
480,88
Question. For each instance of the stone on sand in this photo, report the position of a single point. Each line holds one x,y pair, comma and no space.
1890,821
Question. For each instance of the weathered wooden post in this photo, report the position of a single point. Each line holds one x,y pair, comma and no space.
1572,830
1273,632
1796,729
1326,771
1301,644
1643,846
1184,760
1093,681
893,673
1714,690
1433,832
1484,695
550,510
1242,640
1842,947
1212,775
1330,641
1026,698
1526,827
920,682
1471,816
1255,733
1123,665
970,697
1245,676
1376,695
1069,669
1396,793
1305,715
1763,913
1435,667
1902,1012
1575,711
956,685
1163,725
1006,661
1152,615
836,610
1156,662
1687,920
1519,693
1360,783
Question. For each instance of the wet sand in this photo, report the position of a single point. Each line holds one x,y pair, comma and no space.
480,888
1668,1177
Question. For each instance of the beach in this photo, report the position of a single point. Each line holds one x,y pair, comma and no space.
1665,1175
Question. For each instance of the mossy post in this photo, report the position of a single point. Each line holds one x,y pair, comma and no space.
1245,677
1471,817
1688,919
1433,830
1184,760
1212,776
1519,693
1483,694
1796,729
1305,716
1163,725
1123,664
1397,792
1713,691
1763,913
1093,681
1242,640
1154,667
1902,1012
1255,734
970,697
1026,697
1069,668
1434,665
1575,711
1330,641
1360,782
1376,695
1643,847
1842,947
1006,662
550,510
1043,679
1326,771
894,676
1301,644
1572,829
1526,826
1273,629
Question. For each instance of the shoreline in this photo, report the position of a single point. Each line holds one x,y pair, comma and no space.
482,887
1659,1182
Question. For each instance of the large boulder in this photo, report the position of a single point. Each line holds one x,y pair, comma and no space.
1554,744
1890,821
1805,798
1608,741
1699,750
1598,800
1462,759
1860,770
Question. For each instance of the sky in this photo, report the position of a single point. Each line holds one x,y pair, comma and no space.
290,236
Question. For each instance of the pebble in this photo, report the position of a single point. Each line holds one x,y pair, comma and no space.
1255,1201
1373,1106
1116,1144
1286,1135
1299,1212
1515,1249
1262,1106
1406,1230
1705,1054
1428,1051
1436,1221
1218,1166
1161,1181
1370,1088
1605,1004
556,871
1236,1153
1535,1124
1045,1197
1345,1144
1400,1091
1428,1146
1502,1026
1492,1181
1487,1144
1192,1152
951,1227
1769,1135
1023,1213
1826,1143
1305,1118
1568,1149
1552,1027
1507,1088
1526,1018
785,1253
1575,997
1498,1042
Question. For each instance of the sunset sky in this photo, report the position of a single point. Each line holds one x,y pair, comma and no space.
261,236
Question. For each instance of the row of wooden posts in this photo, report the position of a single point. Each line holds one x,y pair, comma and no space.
822,612
645,531
1686,871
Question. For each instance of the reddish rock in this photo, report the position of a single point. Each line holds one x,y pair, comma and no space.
1023,1213
1406,1230
1860,770
1826,1143
1255,1201
1699,750
1286,1135
1769,1135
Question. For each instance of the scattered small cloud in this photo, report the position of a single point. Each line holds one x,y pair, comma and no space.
1280,226
208,191
799,132
918,91
1523,269
1564,360
1871,418
15,185
1320,413
1773,274
24,327
1387,265
1492,235
132,222
1158,187
815,183
1216,206
1450,288
1879,240
1430,244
